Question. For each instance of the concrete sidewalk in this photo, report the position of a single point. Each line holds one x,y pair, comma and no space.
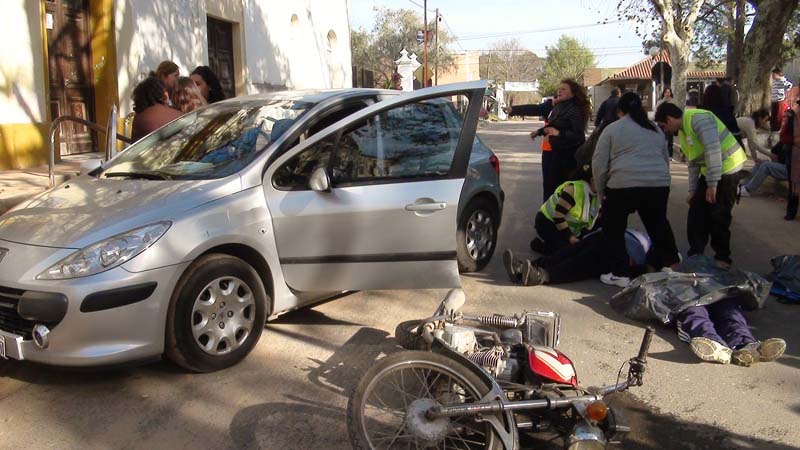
16,186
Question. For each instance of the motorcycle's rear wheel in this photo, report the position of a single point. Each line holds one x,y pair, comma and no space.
387,408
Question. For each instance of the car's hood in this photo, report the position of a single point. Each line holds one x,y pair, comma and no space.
85,210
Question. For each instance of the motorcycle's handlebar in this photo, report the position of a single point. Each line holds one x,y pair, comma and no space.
646,340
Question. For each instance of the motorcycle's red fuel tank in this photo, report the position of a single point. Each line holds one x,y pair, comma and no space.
552,365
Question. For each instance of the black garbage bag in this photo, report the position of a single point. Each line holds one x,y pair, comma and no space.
786,277
696,281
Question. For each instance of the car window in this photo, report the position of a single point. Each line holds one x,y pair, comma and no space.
416,140
211,142
295,173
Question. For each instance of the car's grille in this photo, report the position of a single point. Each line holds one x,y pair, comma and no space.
10,320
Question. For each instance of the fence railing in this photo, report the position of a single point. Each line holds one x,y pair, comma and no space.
110,131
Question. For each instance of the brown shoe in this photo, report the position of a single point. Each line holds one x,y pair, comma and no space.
771,349
747,355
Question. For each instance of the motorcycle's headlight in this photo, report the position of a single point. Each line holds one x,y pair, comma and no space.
106,254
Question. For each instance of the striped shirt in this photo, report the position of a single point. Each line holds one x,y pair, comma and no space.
705,126
780,86
566,201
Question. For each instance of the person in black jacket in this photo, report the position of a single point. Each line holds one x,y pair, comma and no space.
608,109
714,100
564,132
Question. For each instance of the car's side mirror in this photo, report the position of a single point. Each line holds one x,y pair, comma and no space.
90,165
320,181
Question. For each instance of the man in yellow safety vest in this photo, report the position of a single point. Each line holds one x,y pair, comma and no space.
715,159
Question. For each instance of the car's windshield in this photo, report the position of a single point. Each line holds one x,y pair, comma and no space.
212,142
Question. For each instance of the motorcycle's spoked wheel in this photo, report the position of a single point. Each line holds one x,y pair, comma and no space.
387,409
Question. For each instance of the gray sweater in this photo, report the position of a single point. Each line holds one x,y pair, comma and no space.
628,155
705,127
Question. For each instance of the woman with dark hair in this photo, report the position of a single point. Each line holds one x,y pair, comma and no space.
714,100
631,173
564,132
150,105
208,83
750,126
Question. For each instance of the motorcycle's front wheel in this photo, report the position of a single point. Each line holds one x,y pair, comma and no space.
387,408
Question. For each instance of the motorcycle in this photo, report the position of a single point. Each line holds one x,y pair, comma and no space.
484,382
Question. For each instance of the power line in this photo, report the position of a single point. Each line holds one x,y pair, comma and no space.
542,30
450,30
417,4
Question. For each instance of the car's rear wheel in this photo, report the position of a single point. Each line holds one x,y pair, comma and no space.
216,314
476,235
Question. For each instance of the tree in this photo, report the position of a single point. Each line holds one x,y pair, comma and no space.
763,49
568,59
677,19
394,30
771,40
509,60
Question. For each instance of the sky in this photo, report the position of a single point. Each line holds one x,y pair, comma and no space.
536,23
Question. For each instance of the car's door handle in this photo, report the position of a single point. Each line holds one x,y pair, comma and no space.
434,206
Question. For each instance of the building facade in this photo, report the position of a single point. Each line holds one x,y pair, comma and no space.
79,57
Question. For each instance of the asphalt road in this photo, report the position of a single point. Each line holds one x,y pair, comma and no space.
291,392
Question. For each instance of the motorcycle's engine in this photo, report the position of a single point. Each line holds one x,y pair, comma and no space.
501,359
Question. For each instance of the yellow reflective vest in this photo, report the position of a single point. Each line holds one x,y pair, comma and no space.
583,214
732,153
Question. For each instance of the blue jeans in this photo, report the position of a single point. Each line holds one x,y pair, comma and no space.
766,169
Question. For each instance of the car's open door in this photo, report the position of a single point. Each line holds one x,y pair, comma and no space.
370,202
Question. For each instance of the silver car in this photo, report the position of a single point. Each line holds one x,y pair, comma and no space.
184,244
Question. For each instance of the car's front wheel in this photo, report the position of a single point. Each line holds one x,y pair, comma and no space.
476,235
216,314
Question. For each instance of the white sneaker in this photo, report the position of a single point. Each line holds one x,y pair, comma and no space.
610,278
710,350
743,192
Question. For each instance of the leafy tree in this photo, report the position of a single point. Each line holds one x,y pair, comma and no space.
509,60
395,29
771,40
568,59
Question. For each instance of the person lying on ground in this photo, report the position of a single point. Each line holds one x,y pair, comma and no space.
706,303
569,213
586,259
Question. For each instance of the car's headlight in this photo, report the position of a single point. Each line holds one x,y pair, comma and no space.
106,254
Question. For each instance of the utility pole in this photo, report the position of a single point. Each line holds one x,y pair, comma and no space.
436,40
425,46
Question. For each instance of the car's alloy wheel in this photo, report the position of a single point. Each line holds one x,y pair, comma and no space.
476,235
480,235
223,315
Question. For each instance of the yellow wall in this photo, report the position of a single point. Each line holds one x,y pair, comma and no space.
23,145
104,62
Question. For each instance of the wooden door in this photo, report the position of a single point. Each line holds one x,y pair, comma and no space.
220,54
70,67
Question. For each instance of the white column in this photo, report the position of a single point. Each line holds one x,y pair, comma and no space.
405,67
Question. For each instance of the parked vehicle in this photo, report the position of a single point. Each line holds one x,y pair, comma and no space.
186,242
485,382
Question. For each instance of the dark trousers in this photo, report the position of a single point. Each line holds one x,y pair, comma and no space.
722,321
557,166
651,204
670,138
776,114
586,259
712,220
792,201
547,231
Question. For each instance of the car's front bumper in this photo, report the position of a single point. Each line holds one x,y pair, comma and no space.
111,318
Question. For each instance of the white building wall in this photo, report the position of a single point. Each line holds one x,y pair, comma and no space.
278,53
148,32
22,94
298,44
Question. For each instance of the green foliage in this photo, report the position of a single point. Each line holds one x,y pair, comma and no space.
568,59
394,30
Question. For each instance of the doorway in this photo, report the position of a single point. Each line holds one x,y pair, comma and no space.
69,61
220,54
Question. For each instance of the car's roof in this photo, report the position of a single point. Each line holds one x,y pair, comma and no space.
310,96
